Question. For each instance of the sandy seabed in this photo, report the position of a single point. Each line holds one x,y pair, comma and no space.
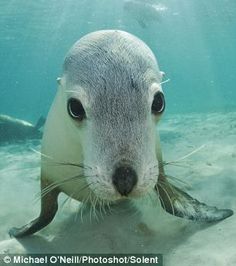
142,227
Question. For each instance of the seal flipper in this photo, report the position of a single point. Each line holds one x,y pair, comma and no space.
49,206
179,203
40,123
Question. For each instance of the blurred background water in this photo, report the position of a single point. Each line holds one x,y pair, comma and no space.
194,41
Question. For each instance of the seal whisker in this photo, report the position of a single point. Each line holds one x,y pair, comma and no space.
179,164
169,185
101,215
100,209
162,203
165,81
86,186
61,163
81,212
168,196
109,206
69,197
54,185
187,155
174,179
179,180
103,207
98,202
67,164
84,203
90,207
82,208
79,208
95,204
106,206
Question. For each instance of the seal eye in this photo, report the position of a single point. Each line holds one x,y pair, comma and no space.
158,104
76,109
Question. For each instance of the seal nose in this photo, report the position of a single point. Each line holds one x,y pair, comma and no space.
124,179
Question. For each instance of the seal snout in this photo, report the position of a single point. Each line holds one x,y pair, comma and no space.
124,179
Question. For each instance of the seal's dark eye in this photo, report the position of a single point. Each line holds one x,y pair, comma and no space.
76,109
158,104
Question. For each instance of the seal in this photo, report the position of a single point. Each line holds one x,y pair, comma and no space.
100,143
14,130
144,12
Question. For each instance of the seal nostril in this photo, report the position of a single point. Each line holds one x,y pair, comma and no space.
124,179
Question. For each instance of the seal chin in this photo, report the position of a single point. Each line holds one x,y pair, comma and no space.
109,197
103,192
142,191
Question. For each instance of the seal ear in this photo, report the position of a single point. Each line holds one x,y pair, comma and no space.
179,203
162,74
59,81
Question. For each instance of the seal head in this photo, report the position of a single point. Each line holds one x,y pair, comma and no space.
109,82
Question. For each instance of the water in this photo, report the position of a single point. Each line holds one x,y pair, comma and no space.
194,41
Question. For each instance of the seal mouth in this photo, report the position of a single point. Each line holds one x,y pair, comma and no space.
124,181
121,189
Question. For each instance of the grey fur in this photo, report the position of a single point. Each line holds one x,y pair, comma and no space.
115,70
145,12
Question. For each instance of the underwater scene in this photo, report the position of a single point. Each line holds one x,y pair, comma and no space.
123,142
